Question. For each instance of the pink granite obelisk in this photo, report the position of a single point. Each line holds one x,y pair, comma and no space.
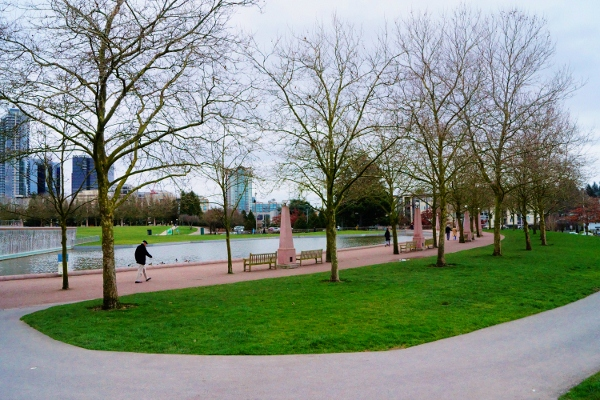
418,237
467,227
286,254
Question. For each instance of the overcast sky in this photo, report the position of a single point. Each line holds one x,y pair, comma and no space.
574,27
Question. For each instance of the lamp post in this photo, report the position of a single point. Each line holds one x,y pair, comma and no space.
307,210
255,216
417,205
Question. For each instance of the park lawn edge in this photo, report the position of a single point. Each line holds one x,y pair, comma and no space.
133,235
379,307
589,389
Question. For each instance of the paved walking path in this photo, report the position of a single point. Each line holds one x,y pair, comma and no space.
538,357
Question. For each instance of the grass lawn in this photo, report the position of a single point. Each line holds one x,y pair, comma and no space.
135,234
587,390
379,307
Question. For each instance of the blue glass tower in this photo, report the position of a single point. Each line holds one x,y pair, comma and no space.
83,176
239,189
14,164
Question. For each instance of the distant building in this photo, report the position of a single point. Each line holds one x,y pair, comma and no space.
239,189
14,164
83,175
266,212
204,203
38,170
155,196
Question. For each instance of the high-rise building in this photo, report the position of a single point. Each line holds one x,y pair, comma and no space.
38,170
84,175
239,189
14,164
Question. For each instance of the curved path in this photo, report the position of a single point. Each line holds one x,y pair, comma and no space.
538,357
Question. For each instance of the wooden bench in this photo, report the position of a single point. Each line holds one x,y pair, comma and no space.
429,243
407,246
258,259
310,255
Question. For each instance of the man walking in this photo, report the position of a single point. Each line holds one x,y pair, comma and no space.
140,258
448,230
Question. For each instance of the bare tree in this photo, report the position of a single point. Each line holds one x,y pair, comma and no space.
550,156
141,74
516,53
393,164
225,160
437,64
326,102
64,204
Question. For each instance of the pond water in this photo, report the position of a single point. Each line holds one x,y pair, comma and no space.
82,258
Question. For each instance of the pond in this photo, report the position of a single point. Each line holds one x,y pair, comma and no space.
82,258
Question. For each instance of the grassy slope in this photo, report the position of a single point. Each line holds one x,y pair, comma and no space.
375,308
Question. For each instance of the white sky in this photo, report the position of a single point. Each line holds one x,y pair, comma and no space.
574,27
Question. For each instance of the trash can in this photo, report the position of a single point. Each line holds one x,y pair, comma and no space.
60,259
149,232
202,231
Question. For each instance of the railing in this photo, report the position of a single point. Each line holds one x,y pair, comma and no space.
87,239
11,222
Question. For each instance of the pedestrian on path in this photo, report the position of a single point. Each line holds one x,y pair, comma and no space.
140,258
448,230
454,232
387,237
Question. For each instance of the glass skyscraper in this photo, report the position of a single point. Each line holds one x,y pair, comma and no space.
38,170
14,163
83,176
239,189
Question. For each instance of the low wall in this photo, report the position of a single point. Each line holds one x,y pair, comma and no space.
24,241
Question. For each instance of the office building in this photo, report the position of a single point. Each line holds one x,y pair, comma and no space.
84,175
14,164
239,189
38,170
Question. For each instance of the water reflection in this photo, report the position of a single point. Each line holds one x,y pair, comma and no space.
82,258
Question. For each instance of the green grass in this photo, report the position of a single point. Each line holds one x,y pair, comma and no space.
586,390
135,234
379,307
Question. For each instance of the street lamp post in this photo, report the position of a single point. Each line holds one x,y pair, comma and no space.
255,215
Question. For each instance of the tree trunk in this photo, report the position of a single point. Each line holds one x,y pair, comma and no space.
441,244
331,247
477,223
435,219
65,272
543,227
497,225
471,219
394,223
228,242
109,274
535,221
527,235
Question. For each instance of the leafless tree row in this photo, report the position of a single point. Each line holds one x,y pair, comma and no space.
463,105
437,104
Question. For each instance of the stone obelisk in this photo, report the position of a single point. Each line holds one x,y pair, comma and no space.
286,254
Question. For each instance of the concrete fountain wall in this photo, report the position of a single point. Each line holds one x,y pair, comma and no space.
21,241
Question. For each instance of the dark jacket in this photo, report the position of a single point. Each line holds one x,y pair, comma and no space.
387,234
448,229
141,253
